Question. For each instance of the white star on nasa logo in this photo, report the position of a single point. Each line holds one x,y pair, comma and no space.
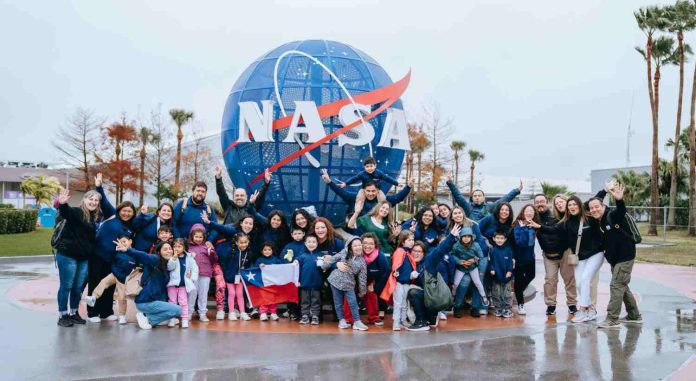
250,276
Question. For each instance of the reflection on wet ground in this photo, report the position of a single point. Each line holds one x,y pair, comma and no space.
536,350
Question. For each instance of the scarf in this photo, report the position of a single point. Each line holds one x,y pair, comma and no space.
370,257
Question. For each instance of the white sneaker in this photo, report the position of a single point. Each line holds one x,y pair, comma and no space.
286,314
483,311
111,318
245,316
184,323
122,320
90,300
173,322
274,317
263,317
143,323
220,315
232,316
591,314
579,317
203,317
94,319
442,316
396,327
343,324
521,310
359,326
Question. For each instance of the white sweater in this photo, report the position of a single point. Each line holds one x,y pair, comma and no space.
174,272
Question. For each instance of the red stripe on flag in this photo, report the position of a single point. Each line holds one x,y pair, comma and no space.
261,296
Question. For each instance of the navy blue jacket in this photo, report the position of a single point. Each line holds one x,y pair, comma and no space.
524,244
446,268
220,231
279,236
478,211
296,247
434,257
431,233
145,228
363,178
489,225
272,260
107,208
122,266
331,248
311,276
154,280
349,198
501,262
191,216
231,261
107,233
378,272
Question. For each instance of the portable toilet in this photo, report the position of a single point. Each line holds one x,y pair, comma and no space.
47,217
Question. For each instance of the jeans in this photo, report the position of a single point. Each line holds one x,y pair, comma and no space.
159,311
417,299
502,296
476,301
338,296
73,275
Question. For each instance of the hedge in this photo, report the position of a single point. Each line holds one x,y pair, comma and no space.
18,220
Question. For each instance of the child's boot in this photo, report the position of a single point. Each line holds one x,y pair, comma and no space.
184,323
122,320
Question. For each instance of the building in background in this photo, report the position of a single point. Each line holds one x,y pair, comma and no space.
599,176
13,172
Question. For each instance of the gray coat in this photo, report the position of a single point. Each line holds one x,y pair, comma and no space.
345,281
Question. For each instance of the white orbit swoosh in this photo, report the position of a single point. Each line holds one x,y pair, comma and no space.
309,157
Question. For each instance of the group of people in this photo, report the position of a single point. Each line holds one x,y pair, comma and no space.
168,260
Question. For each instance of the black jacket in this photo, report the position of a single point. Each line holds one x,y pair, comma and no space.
234,213
618,244
78,237
591,242
552,243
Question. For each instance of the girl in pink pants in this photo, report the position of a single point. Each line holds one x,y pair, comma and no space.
183,273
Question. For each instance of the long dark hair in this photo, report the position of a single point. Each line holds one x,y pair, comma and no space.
581,207
238,225
306,215
162,265
520,215
330,233
123,205
169,204
284,229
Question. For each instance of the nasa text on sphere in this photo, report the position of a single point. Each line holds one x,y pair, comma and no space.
307,106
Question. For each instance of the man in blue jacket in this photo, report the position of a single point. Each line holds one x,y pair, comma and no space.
187,211
479,207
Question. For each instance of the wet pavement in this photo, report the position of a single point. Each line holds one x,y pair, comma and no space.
523,348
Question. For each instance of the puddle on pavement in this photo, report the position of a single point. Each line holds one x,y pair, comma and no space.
9,274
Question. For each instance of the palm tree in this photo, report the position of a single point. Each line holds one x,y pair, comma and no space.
180,117
456,146
551,190
419,144
145,136
680,19
474,156
637,185
649,20
43,188
663,52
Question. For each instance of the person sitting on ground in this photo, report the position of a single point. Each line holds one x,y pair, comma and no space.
501,268
479,208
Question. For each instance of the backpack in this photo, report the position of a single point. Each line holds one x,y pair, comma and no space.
631,230
438,296
57,234
184,204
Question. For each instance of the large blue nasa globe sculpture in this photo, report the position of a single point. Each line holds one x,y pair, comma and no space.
298,183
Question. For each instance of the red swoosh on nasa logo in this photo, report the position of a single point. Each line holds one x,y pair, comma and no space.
386,95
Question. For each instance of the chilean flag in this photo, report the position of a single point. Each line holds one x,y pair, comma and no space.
271,284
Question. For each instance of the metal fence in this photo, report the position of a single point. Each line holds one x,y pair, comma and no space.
642,215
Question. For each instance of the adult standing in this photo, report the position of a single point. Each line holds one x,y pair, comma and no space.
301,219
75,246
145,226
327,238
117,223
479,208
188,210
424,227
523,253
620,251
236,208
556,260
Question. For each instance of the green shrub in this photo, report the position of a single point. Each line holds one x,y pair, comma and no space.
6,206
14,221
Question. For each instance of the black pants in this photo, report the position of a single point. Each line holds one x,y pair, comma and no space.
98,269
310,302
524,274
417,299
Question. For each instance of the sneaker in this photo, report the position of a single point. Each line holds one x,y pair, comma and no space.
220,315
396,327
498,313
244,316
111,318
475,313
441,315
435,323
572,309
579,317
94,319
458,312
263,317
203,318
90,300
304,320
485,301
172,322
406,324
591,314
293,317
254,313
508,314
122,320
76,318
343,324
274,317
315,320
232,316
359,326
609,324
184,323
521,310
419,326
483,311
286,314
143,323
550,310
378,322
65,321
626,319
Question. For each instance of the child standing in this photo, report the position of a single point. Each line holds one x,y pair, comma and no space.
205,259
183,274
346,265
311,280
232,259
268,257
403,267
370,174
164,234
464,250
291,252
501,269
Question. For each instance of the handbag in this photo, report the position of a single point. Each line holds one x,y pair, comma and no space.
133,282
437,295
573,258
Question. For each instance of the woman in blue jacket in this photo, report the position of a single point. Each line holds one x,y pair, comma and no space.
500,220
145,225
424,227
273,228
152,301
523,253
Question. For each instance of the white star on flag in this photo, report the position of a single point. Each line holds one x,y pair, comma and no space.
250,276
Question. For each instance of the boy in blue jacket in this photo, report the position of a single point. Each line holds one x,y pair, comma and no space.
370,174
501,267
311,281
292,250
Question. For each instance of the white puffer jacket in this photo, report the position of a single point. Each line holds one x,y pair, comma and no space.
174,272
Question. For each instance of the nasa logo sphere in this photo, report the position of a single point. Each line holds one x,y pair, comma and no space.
307,106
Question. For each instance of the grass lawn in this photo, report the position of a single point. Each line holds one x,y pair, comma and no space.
679,249
35,243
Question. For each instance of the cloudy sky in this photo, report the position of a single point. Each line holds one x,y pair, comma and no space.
543,88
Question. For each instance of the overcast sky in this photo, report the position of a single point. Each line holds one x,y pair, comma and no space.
543,88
